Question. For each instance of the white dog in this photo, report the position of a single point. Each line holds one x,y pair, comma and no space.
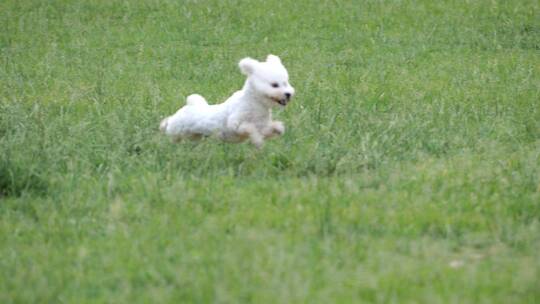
247,114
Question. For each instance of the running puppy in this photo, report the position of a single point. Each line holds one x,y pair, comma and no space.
246,115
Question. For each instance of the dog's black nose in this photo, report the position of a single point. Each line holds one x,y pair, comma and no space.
288,95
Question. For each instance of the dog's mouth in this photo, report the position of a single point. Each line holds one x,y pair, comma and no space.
282,101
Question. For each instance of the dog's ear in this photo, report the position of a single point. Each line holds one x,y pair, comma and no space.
273,59
247,65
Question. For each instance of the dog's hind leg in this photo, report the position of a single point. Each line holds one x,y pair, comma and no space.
163,125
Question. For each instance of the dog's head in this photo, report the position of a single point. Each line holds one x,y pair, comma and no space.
268,79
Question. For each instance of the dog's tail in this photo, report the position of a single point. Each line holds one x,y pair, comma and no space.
163,124
196,100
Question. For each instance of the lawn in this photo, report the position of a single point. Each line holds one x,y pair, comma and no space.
409,172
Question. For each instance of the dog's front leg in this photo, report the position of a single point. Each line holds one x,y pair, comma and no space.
275,128
250,130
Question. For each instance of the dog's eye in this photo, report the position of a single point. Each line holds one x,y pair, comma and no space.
274,84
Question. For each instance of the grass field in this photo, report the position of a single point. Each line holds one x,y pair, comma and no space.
409,173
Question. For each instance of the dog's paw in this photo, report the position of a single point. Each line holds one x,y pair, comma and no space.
257,140
278,128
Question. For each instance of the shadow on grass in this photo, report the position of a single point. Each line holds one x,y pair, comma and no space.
15,180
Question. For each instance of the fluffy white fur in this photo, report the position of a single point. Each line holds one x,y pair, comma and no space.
247,114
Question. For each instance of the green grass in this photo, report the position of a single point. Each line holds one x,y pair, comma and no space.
409,173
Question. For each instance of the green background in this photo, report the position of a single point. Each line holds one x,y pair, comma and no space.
409,171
